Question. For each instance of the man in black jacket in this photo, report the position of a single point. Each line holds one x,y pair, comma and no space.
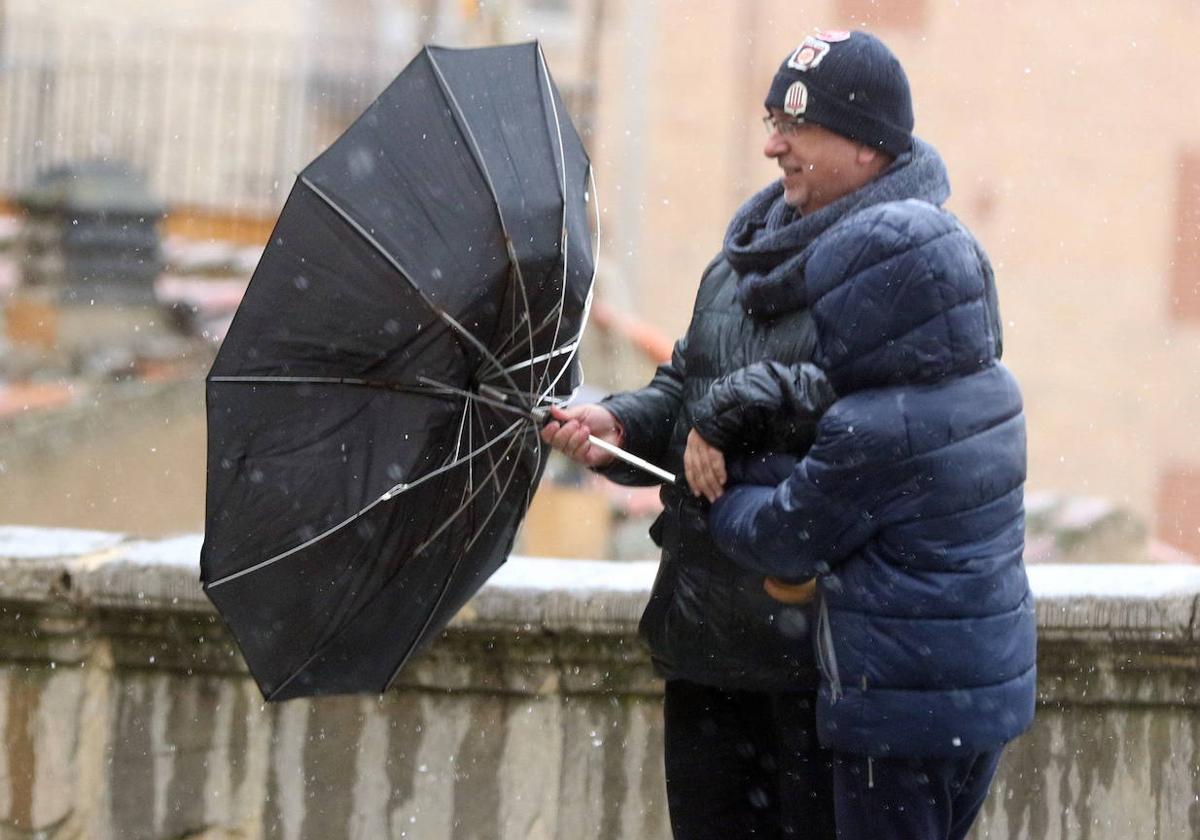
741,753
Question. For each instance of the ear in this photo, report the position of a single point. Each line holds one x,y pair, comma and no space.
867,155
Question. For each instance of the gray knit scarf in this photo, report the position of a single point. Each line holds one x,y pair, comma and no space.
768,244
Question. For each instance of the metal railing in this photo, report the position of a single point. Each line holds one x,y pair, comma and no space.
218,121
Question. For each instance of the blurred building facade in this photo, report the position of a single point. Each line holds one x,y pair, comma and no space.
221,104
1073,143
1070,131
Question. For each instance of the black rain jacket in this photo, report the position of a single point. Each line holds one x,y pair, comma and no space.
708,620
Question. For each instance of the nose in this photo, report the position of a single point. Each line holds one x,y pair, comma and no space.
775,145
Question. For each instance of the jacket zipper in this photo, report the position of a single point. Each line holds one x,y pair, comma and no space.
826,658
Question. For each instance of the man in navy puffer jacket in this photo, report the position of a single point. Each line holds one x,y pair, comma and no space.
909,509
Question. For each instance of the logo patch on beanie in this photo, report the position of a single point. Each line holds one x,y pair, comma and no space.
795,101
833,35
809,54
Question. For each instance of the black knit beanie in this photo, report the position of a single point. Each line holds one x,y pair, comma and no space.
850,83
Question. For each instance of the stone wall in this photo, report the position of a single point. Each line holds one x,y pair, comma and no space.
126,713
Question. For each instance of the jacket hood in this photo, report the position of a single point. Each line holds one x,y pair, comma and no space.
899,293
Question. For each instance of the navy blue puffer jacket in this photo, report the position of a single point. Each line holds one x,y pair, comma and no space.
910,503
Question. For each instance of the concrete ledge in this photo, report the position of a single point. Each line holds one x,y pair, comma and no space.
126,710
100,569
1151,603
1139,623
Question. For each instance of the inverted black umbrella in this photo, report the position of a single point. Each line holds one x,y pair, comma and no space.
372,412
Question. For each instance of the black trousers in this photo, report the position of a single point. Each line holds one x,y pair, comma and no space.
744,764
910,799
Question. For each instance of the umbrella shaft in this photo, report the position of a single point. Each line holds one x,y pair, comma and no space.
632,460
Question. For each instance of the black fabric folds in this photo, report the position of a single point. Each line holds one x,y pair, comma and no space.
371,444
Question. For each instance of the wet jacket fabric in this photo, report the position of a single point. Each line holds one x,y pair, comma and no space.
709,620
909,505
738,376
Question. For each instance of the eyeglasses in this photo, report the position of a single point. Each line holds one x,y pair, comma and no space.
784,125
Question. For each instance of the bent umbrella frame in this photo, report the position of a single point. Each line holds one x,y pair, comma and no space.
374,409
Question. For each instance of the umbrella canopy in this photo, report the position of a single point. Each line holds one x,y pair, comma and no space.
371,449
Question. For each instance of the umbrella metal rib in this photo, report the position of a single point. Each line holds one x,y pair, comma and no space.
542,389
477,153
425,544
544,357
428,387
587,304
562,171
433,307
572,346
390,494
454,569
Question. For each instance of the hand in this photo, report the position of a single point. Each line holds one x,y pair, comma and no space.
791,593
570,428
704,466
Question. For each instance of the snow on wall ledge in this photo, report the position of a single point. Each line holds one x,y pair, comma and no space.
125,710
115,569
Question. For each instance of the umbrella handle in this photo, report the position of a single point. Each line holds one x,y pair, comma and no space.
542,416
633,460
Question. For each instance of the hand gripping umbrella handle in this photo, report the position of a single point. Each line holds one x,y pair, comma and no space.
633,460
542,416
